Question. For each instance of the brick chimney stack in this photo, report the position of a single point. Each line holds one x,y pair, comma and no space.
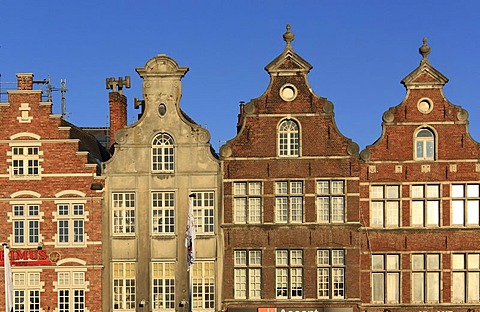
118,113
24,81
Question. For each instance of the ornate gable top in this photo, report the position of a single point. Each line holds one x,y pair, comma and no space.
424,76
288,63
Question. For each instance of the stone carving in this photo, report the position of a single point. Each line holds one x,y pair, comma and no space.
388,116
225,151
353,148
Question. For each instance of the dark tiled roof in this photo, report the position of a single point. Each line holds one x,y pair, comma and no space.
88,143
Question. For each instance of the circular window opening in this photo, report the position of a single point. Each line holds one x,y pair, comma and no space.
162,109
288,92
425,105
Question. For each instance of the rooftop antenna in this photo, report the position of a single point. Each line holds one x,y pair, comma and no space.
50,89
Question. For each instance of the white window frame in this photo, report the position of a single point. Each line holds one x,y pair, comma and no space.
123,213
26,217
74,216
71,288
123,286
204,212
163,153
289,282
288,138
289,201
163,212
424,144
465,204
25,161
426,278
465,278
330,274
27,289
385,278
330,201
203,285
163,286
425,206
248,274
385,205
247,202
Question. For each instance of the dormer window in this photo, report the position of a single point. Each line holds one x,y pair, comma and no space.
288,139
163,157
424,145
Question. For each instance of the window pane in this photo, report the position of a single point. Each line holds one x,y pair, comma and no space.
377,287
377,262
457,212
457,190
472,212
433,212
417,213
458,287
393,282
417,191
473,286
472,190
392,191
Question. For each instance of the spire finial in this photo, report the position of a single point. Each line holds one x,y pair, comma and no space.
288,37
424,50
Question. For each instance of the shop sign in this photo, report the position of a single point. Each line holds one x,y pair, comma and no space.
19,257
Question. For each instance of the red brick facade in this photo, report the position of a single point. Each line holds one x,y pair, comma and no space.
51,216
289,224
431,228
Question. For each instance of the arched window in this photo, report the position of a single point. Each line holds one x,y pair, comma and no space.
163,156
424,145
288,138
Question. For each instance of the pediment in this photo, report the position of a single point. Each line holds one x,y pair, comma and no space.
288,63
424,76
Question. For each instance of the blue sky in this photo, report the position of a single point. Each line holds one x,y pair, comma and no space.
360,51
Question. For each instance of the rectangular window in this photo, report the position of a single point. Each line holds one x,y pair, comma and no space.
26,291
123,213
247,202
385,278
163,212
331,273
26,224
426,278
248,274
465,277
163,283
25,162
289,202
465,204
330,201
204,212
289,274
124,286
425,209
203,285
71,291
384,205
70,222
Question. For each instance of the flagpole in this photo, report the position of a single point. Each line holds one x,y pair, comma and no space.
8,279
190,244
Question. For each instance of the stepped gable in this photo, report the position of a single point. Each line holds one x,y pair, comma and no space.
424,107
288,95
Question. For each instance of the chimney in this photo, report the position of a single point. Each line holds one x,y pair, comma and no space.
118,113
24,81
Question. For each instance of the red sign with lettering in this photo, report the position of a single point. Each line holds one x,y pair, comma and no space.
27,257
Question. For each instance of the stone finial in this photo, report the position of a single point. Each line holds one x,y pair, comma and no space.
424,50
288,37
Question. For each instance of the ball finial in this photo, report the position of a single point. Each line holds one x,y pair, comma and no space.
424,50
288,37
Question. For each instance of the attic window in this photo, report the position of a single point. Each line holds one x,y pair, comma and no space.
425,105
288,92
